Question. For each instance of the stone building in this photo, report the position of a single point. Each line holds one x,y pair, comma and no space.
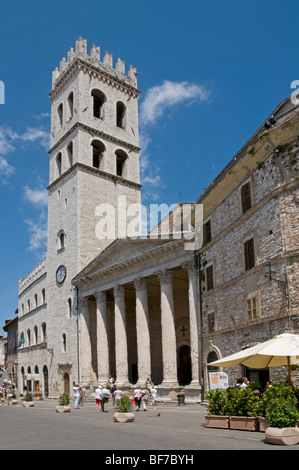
140,306
11,328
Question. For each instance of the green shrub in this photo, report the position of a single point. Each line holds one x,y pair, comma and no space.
64,400
28,397
282,413
124,405
218,403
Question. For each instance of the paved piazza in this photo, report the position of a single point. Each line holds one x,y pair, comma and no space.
166,428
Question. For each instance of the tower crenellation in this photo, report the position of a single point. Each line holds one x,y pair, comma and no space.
94,59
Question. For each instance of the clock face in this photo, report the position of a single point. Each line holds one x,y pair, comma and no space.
61,274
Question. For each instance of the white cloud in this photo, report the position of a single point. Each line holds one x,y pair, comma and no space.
38,234
156,102
6,170
160,97
39,197
9,139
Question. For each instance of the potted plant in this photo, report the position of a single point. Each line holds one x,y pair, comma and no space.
123,410
244,409
28,401
282,414
64,402
217,408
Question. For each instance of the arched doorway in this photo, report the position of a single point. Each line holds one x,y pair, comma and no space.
212,356
66,384
184,363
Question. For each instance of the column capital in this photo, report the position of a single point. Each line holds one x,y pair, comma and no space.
83,302
191,267
140,283
165,276
119,292
100,295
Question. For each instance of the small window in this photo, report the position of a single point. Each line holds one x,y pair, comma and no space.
35,335
99,100
64,342
44,331
120,115
120,162
251,309
246,197
35,300
60,114
59,163
28,305
28,337
70,101
61,240
43,296
70,153
209,278
207,233
98,150
69,307
249,254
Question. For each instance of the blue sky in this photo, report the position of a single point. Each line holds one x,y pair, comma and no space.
230,62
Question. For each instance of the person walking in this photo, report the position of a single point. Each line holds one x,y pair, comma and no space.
154,395
77,394
145,393
98,396
117,395
137,398
106,394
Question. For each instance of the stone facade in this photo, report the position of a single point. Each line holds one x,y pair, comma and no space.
243,306
149,307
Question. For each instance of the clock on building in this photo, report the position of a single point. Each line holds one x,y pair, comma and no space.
61,274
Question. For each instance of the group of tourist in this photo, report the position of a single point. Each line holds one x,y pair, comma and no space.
141,395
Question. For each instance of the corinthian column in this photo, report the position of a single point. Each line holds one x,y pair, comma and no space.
85,343
102,338
121,348
142,327
193,320
168,330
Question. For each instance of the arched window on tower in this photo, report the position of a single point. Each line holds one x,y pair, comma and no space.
70,101
61,240
98,149
60,114
70,153
120,115
121,157
69,302
99,100
44,332
59,163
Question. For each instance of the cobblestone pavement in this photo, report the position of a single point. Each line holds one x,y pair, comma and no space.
167,427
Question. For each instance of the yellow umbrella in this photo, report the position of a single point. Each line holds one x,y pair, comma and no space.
278,351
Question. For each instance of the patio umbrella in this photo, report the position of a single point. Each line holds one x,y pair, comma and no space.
278,351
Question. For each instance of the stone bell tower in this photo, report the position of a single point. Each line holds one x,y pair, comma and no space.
94,160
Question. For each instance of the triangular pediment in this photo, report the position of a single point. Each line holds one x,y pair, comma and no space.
119,251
